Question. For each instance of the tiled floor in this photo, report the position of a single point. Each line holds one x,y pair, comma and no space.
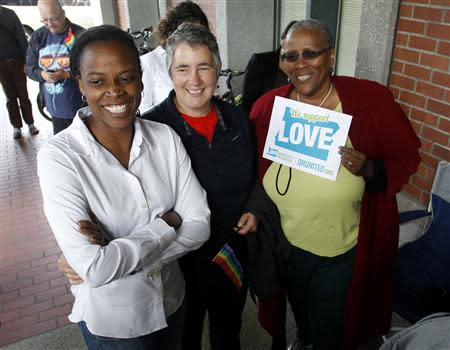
34,296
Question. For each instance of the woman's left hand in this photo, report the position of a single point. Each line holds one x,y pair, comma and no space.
67,271
247,223
356,162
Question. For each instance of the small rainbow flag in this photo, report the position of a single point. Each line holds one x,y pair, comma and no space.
70,39
230,264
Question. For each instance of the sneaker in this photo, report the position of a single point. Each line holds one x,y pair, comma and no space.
296,345
17,134
33,129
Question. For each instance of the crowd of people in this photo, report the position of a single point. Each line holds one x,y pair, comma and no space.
166,211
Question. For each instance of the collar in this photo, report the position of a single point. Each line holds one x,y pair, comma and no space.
81,141
180,120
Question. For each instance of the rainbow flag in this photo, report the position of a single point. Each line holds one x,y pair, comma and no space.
70,39
230,264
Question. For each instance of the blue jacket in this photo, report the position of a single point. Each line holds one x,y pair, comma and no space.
32,69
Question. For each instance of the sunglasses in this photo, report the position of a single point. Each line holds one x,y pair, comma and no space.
308,55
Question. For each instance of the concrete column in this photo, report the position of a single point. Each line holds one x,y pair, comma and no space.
376,39
243,28
143,13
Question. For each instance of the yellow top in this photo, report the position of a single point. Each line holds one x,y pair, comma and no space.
318,215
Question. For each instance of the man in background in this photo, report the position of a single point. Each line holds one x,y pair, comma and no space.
265,71
48,63
13,47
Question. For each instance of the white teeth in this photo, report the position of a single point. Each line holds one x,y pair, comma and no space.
303,77
195,92
116,108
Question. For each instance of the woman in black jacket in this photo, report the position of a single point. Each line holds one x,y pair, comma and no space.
218,140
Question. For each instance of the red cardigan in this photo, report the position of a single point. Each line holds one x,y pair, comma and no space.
382,131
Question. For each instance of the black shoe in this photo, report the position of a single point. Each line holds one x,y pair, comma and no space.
33,129
17,134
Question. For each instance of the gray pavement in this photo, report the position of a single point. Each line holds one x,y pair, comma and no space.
253,337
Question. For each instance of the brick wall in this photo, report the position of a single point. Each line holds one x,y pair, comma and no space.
420,82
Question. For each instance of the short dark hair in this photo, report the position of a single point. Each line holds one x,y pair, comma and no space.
286,30
185,11
101,34
315,24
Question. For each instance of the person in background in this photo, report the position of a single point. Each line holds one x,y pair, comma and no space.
264,72
344,234
48,63
13,47
134,179
157,83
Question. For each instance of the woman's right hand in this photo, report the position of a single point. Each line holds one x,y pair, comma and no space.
172,218
67,271
92,230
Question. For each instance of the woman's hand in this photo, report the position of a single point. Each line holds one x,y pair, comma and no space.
356,162
172,218
67,271
247,223
92,230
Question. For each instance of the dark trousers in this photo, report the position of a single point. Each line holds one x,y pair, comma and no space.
209,289
59,124
168,338
317,292
14,83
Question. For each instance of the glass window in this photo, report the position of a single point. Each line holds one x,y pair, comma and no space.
348,37
291,10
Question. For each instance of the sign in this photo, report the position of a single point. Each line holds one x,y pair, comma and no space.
306,137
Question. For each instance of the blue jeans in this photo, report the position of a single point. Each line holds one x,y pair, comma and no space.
168,338
317,291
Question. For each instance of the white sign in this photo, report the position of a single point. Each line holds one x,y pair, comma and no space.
306,137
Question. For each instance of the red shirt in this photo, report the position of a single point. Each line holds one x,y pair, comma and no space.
204,124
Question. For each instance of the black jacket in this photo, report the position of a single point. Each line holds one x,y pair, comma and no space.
262,74
225,169
12,37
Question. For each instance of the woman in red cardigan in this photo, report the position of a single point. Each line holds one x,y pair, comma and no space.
344,234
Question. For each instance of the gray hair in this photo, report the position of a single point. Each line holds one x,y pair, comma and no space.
313,24
193,35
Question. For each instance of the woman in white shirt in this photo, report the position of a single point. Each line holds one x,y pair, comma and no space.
157,83
134,178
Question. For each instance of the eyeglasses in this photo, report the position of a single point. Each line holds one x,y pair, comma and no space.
308,55
55,19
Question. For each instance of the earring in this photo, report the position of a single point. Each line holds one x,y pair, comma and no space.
142,93
137,113
83,98
288,79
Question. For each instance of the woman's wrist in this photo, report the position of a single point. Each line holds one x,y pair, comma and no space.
366,169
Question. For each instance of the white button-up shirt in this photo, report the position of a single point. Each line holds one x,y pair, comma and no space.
155,77
134,283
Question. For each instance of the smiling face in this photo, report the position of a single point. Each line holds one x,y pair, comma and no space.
194,77
52,16
111,82
311,77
